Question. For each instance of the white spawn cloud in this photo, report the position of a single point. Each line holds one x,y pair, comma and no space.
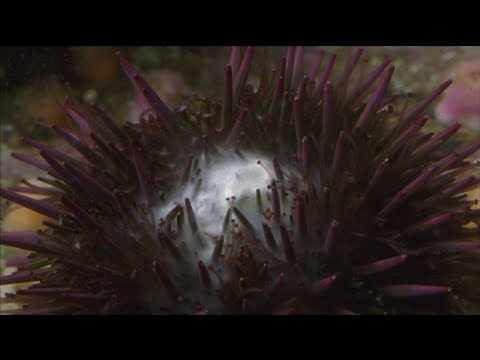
223,178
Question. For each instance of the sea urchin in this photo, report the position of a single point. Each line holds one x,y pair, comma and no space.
304,195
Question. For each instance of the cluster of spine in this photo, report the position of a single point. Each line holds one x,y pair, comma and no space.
365,213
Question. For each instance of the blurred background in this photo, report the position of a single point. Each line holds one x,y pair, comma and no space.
35,80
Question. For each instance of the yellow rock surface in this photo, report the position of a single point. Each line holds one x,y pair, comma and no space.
22,219
19,218
472,195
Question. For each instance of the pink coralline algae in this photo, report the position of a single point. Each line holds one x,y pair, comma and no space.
461,102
